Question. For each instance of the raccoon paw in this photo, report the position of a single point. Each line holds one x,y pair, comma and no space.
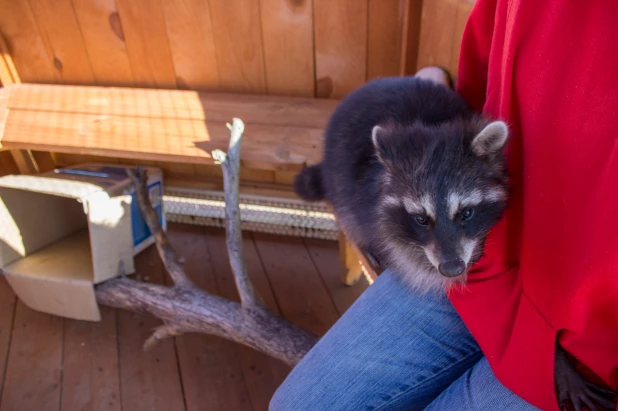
373,260
572,388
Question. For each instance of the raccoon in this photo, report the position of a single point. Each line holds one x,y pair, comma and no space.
415,177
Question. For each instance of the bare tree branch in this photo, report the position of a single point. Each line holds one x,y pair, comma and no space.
230,164
186,308
166,251
191,310
161,333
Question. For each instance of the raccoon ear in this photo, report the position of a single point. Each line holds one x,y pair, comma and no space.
491,139
377,135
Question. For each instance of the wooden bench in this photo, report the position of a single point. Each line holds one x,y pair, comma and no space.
282,133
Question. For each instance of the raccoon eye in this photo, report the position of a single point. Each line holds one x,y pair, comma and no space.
420,220
466,214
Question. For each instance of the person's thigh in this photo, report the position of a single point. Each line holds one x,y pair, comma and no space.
479,389
391,350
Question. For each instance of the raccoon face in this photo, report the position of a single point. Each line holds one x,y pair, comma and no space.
444,188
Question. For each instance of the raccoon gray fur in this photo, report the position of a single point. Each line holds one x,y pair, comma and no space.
415,176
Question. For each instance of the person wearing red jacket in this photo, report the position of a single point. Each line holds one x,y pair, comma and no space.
544,295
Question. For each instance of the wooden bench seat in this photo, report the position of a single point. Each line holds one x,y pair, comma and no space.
282,133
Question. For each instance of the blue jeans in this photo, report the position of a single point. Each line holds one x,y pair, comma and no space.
395,350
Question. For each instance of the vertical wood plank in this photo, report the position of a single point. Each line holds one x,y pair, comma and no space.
143,25
90,367
464,7
299,290
238,42
340,46
410,35
211,372
25,44
104,40
7,312
190,34
287,29
63,38
437,33
384,38
34,369
325,257
149,380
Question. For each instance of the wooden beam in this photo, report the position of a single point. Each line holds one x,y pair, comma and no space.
11,76
24,159
25,162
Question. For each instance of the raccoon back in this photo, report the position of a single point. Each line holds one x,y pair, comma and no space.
350,167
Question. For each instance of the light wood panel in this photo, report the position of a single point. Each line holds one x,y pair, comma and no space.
340,46
283,47
441,30
410,35
62,37
104,39
287,30
143,25
25,43
384,37
238,41
190,33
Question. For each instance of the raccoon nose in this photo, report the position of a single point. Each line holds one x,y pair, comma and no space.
452,268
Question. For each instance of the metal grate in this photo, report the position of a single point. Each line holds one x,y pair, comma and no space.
274,215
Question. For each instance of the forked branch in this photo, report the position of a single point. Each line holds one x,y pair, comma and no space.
166,251
230,164
186,308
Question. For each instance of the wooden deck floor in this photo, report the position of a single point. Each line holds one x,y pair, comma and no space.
50,363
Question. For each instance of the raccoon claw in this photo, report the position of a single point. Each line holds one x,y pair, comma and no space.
572,388
373,260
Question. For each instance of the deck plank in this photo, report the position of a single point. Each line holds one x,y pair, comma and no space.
325,257
7,312
262,374
90,379
149,379
34,369
298,287
211,373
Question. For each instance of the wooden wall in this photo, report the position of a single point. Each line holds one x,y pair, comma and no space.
320,48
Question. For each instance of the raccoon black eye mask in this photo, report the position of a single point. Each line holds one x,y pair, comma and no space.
416,177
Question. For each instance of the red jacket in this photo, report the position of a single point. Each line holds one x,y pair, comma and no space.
550,69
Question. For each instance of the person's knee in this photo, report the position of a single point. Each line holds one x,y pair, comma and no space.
282,399
294,394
